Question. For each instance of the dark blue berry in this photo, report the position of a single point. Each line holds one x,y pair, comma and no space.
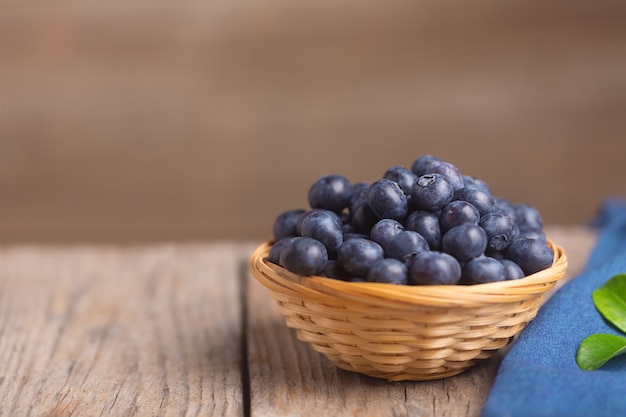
447,170
532,255
422,164
274,253
357,256
402,176
390,271
325,226
456,213
528,218
384,230
504,206
434,268
483,201
304,256
406,244
286,222
470,181
426,224
501,230
431,192
481,270
330,192
511,270
363,218
387,200
465,242
334,270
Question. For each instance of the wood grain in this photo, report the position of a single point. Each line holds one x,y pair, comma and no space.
152,331
183,330
288,378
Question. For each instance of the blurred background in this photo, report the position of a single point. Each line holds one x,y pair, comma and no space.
141,120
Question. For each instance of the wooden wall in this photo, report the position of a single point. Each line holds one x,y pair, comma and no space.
141,120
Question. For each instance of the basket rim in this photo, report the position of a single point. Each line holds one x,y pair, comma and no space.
278,279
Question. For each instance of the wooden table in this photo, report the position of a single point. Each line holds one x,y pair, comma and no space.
183,329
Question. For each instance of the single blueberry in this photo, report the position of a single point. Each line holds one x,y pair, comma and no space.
470,181
434,268
481,270
363,218
511,270
421,165
357,256
465,242
330,192
505,206
449,171
325,226
274,253
405,244
388,270
528,218
483,201
286,222
431,192
384,230
402,176
304,256
456,213
501,229
334,270
387,200
532,255
426,224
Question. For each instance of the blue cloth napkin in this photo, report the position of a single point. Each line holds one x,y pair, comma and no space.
539,376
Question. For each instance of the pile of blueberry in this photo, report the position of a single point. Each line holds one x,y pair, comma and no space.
427,225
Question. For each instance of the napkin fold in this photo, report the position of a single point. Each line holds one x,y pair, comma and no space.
539,377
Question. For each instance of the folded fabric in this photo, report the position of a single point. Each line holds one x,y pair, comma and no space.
540,376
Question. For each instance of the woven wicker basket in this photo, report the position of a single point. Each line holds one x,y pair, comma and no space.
401,332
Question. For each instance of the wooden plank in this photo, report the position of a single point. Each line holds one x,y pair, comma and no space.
150,331
288,378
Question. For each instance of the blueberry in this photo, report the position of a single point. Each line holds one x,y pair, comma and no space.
456,213
465,242
359,195
357,256
405,244
470,181
511,270
387,200
325,226
274,253
528,218
483,201
426,224
363,218
334,270
390,271
532,255
422,164
402,176
504,206
447,170
434,268
384,230
286,222
501,229
481,270
330,192
304,256
431,192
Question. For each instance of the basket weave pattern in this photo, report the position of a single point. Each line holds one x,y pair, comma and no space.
401,332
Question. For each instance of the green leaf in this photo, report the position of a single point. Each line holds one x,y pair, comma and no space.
610,300
597,349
